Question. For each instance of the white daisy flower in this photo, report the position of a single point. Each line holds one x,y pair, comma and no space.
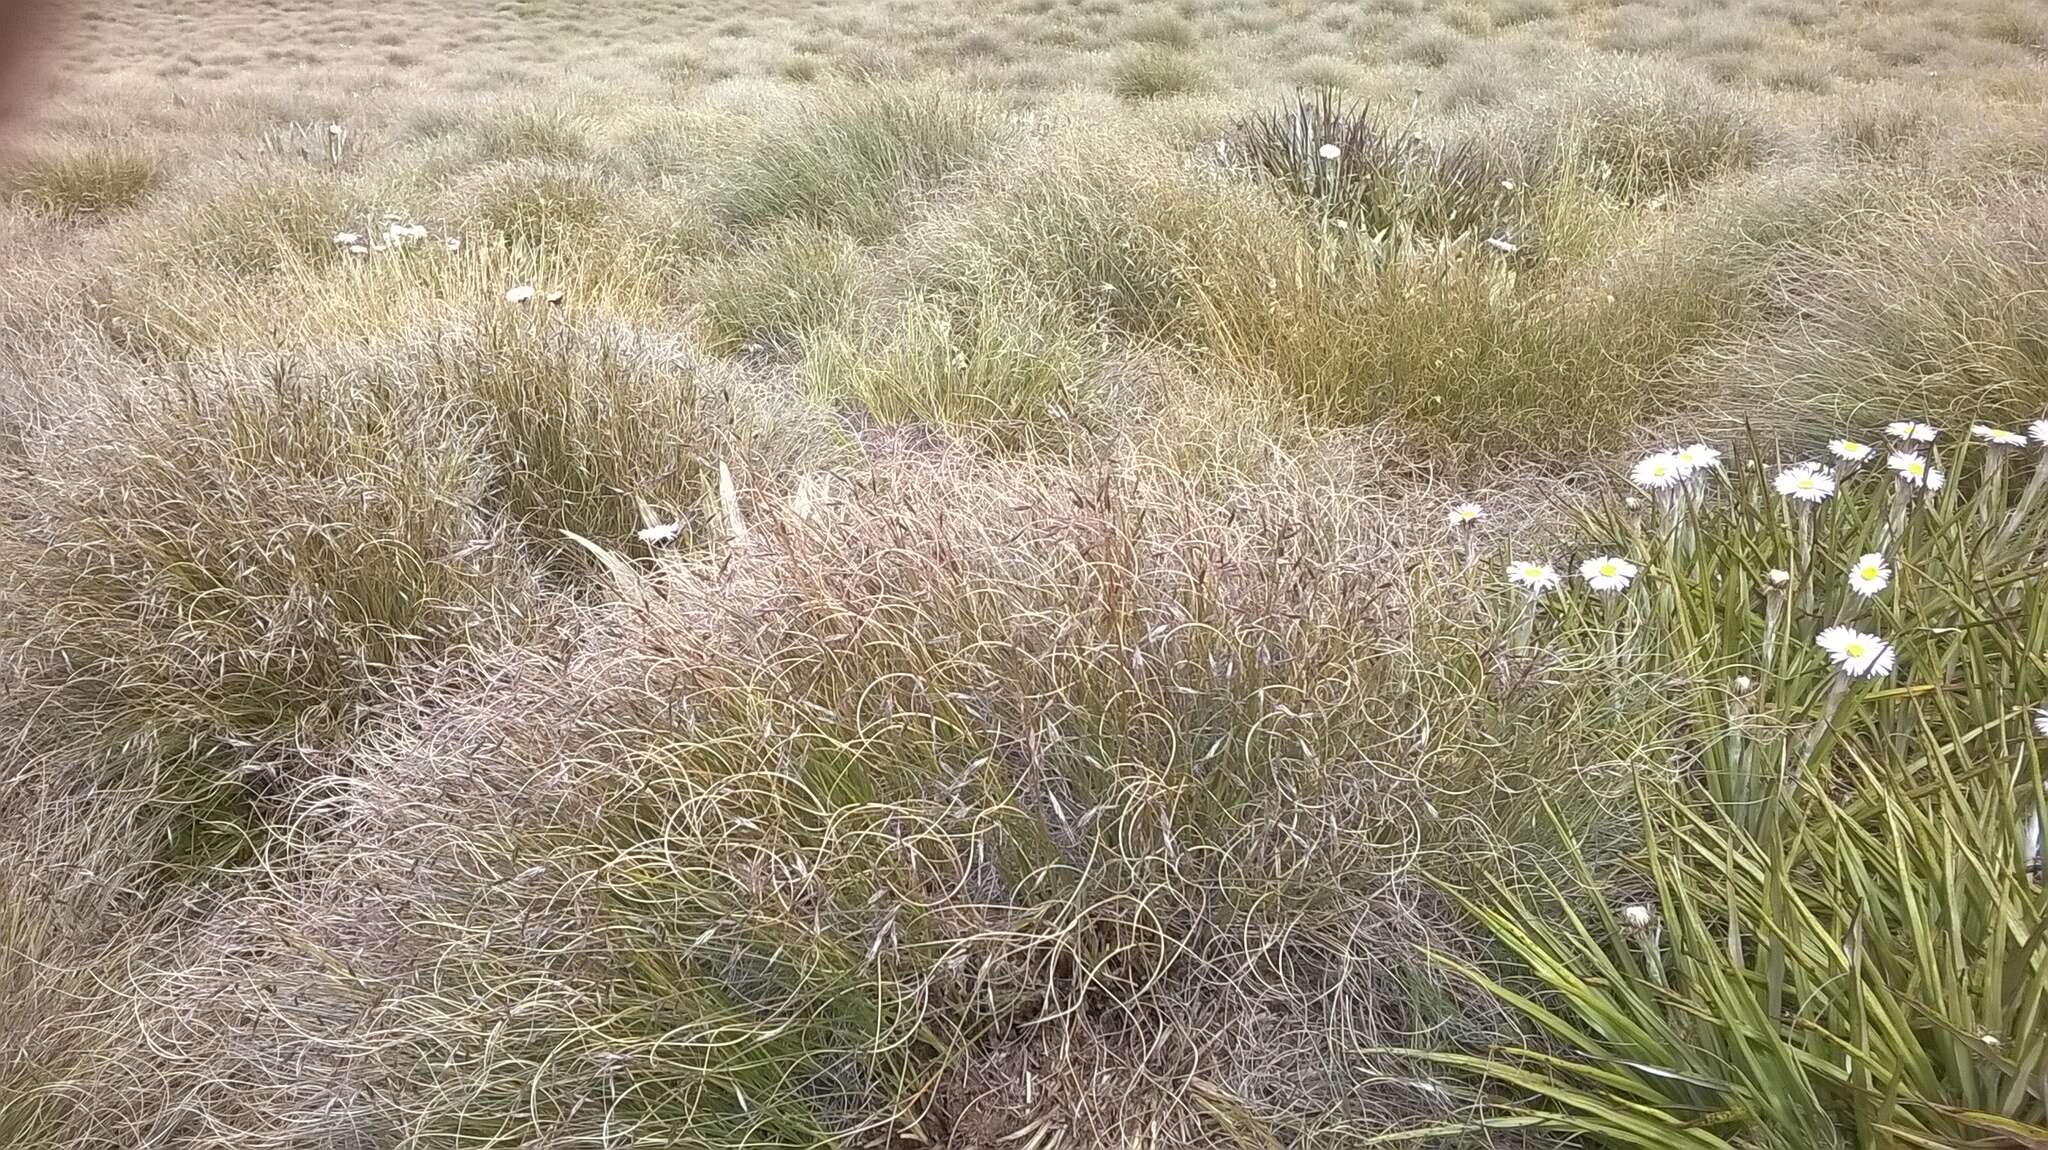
397,235
1658,471
660,533
1869,575
2039,430
1465,515
1329,151
1778,576
1997,436
1805,482
520,294
452,243
1850,451
1535,578
1859,655
1636,917
1697,458
1910,429
1504,247
1914,470
358,250
346,239
2041,721
1607,573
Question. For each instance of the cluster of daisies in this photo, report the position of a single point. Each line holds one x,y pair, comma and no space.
1668,473
398,234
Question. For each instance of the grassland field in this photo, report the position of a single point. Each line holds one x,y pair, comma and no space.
876,573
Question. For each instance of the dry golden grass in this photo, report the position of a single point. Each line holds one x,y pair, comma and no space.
1046,682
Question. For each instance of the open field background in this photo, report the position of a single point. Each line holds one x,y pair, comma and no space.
1059,710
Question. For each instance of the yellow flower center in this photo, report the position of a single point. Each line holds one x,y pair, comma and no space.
1854,650
1607,569
1869,572
1851,448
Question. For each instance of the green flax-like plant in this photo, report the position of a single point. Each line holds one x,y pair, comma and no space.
1834,932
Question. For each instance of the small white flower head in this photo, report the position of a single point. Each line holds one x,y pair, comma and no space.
1507,185
1913,469
1631,502
1910,429
1697,458
1805,482
452,243
1859,655
358,250
1535,578
346,239
2039,431
1329,151
660,533
1659,471
1850,451
1744,684
1997,436
1869,575
521,294
1504,247
1778,576
2041,721
1636,917
1465,515
1608,574
397,235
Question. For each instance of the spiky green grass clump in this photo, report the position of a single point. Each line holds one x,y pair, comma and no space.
83,182
1831,935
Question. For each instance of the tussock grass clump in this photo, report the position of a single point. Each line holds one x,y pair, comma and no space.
1008,365
587,422
1166,29
1892,130
1112,227
226,563
547,135
2015,23
543,204
68,936
1453,344
1150,73
1655,134
255,223
784,284
857,165
1932,310
82,181
859,824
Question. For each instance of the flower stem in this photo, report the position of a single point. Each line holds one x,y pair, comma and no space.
1822,724
2026,503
